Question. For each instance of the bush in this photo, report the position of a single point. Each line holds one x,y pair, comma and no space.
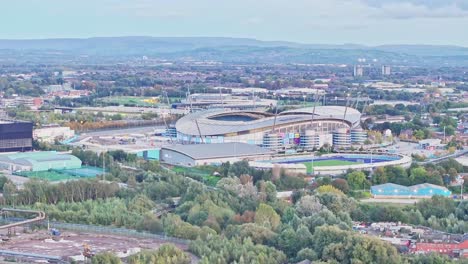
360,194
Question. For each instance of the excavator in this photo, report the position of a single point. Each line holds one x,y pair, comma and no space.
87,252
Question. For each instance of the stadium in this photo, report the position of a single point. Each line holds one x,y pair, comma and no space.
305,127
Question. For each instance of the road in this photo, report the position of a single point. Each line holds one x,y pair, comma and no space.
455,155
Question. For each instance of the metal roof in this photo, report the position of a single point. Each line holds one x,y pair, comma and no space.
209,127
33,158
423,189
220,150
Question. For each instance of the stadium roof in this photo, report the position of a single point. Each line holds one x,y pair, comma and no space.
221,150
191,123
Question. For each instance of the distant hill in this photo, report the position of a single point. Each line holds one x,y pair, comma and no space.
232,50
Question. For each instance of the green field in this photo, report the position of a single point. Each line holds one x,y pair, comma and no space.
323,163
198,174
131,100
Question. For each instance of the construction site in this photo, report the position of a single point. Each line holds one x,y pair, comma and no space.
28,237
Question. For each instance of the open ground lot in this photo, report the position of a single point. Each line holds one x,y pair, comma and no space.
132,100
71,244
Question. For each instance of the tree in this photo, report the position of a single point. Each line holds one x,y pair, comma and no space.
453,173
267,191
267,217
306,254
329,189
357,180
335,245
258,234
219,249
462,211
432,258
341,184
105,258
3,180
166,254
437,206
309,205
449,130
379,176
398,175
337,203
418,175
419,134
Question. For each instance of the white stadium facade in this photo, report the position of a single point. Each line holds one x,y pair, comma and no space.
305,127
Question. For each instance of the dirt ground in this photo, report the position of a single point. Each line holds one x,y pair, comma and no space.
70,245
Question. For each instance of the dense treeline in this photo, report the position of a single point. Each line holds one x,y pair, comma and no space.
240,220
438,213
133,213
38,191
166,254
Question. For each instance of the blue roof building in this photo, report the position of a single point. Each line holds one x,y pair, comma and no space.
425,190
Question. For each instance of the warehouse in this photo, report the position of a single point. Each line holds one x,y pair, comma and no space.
39,161
211,154
425,190
15,136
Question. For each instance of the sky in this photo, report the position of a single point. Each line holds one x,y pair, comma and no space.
369,22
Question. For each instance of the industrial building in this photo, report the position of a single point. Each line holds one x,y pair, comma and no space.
358,71
211,154
386,70
425,190
38,161
15,136
306,127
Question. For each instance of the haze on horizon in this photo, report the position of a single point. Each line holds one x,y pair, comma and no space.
368,22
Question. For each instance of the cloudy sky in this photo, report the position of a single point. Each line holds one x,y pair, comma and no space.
369,22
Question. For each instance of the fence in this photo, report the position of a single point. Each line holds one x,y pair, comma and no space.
103,230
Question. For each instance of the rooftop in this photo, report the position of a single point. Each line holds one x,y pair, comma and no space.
208,126
221,150
424,189
32,158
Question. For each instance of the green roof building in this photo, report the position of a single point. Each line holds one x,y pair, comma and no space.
39,161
